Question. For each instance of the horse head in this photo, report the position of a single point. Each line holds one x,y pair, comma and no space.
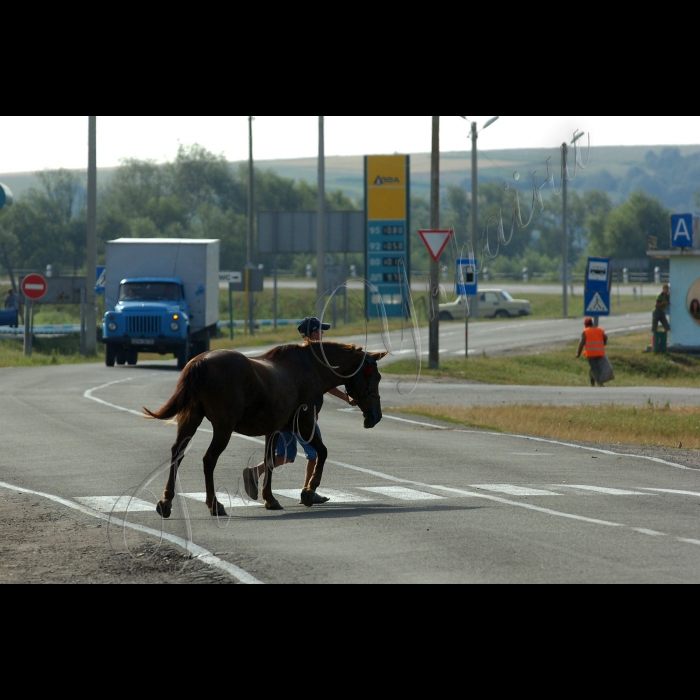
363,387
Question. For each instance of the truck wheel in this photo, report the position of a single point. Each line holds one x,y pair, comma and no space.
183,356
121,357
132,357
110,356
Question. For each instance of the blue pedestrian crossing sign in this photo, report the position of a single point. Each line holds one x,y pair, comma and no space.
467,278
682,231
597,303
598,275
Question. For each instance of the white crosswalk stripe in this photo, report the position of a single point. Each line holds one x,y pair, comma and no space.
335,495
513,490
117,504
403,494
232,501
606,491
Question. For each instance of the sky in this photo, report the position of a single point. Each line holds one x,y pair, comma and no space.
30,144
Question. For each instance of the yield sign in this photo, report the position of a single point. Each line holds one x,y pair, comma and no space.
436,242
34,287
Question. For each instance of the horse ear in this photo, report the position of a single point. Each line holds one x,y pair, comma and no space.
376,356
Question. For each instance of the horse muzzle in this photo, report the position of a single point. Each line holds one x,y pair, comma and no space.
372,420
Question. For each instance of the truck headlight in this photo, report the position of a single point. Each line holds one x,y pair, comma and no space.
112,327
174,326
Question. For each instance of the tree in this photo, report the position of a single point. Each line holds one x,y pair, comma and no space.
630,225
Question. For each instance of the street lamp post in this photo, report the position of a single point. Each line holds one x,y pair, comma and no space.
321,232
90,312
251,214
434,332
565,223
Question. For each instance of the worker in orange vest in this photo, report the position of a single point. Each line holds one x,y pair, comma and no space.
592,345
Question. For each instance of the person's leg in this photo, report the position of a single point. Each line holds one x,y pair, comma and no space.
286,453
312,457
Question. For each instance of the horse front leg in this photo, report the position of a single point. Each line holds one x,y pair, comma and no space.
308,495
271,503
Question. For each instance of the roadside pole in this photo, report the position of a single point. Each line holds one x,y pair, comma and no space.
230,310
27,330
565,233
90,346
434,351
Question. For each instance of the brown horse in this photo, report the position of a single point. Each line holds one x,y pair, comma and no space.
280,391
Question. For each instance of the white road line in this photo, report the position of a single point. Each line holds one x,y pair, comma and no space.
600,489
462,492
403,494
335,495
513,490
227,501
673,491
117,504
651,533
200,553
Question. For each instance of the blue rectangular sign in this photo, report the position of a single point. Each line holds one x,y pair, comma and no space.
597,303
682,231
467,278
598,275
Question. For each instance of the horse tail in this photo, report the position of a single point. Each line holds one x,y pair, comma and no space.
184,402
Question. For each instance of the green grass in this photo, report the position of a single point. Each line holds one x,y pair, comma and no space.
633,367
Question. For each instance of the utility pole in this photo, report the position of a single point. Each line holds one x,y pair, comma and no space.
251,213
565,232
474,306
321,245
434,353
90,313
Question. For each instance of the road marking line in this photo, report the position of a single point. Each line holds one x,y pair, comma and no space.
462,492
678,493
651,533
117,504
513,490
600,489
200,553
682,539
403,494
335,495
225,500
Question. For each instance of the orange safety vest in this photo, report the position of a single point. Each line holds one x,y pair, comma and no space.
595,342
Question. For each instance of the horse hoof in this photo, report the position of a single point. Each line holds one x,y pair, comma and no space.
273,505
164,509
218,512
308,498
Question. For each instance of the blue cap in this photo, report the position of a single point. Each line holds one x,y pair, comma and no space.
311,325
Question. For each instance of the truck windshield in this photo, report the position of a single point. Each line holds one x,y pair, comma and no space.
150,291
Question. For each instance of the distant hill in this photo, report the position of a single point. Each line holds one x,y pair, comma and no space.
670,173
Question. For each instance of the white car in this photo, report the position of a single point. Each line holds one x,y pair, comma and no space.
493,303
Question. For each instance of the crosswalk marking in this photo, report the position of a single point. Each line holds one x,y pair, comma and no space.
232,501
403,494
117,504
513,490
606,491
335,495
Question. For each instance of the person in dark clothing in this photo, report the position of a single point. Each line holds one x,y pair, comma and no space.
663,301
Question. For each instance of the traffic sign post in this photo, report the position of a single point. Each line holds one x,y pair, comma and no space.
682,231
598,285
33,287
467,286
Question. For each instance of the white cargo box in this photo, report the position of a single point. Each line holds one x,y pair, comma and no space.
195,262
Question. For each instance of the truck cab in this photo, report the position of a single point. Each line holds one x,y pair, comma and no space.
151,315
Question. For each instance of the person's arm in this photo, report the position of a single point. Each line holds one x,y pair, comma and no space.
605,338
342,396
581,345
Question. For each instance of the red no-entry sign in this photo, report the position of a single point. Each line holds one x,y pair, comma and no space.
34,287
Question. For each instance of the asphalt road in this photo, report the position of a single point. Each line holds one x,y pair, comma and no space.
411,502
492,337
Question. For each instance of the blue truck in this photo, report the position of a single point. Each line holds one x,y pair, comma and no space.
161,296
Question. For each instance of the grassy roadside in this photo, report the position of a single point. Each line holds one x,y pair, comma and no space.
660,426
633,367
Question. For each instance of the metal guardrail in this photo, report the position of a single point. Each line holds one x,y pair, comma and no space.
75,329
